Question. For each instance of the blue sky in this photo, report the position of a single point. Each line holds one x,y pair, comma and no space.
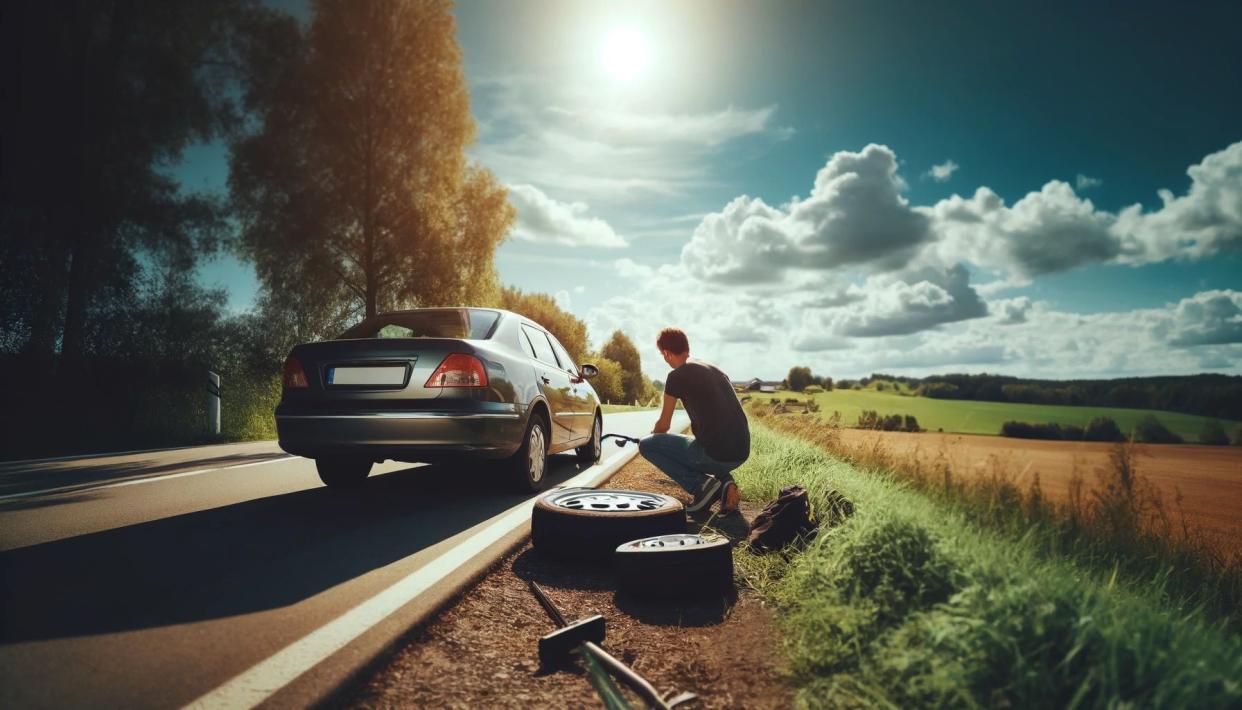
1006,216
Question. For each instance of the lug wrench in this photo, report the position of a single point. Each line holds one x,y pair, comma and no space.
622,439
616,668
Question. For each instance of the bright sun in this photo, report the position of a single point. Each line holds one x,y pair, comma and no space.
625,53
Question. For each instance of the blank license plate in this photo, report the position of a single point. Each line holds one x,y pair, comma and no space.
374,375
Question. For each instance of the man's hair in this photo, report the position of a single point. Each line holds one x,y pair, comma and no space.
673,340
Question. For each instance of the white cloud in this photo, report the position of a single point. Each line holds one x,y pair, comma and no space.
1205,221
706,129
854,216
1044,232
543,219
1207,318
563,300
1011,311
943,171
563,139
1086,182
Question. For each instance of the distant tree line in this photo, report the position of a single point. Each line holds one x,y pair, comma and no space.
1207,395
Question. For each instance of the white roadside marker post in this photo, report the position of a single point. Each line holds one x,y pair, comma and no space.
213,403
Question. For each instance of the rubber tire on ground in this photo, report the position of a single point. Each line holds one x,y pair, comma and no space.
590,452
517,469
674,571
343,472
595,535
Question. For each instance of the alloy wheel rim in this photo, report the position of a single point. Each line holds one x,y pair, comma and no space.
607,501
536,454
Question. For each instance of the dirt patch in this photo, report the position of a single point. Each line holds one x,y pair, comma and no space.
482,651
1206,479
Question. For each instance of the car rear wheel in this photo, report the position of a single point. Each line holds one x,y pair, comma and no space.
343,471
589,452
527,469
590,523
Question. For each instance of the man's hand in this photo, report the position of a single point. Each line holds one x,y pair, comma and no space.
666,415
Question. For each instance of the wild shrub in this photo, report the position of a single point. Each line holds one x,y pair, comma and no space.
909,423
1026,430
1103,429
812,389
1213,434
895,566
1150,430
1072,432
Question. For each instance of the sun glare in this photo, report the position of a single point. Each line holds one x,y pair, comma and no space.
625,53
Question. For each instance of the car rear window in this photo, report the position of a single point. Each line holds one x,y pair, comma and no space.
468,324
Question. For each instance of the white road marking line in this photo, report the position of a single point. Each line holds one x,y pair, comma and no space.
109,454
262,680
135,481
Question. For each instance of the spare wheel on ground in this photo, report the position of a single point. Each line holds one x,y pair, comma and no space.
591,523
675,566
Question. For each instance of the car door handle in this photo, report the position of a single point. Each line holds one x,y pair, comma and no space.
545,379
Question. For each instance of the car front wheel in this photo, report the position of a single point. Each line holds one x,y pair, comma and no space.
589,452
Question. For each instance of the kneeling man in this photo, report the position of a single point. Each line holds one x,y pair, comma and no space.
701,464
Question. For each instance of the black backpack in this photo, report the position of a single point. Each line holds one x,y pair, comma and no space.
788,518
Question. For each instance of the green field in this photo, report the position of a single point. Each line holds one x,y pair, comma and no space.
912,603
969,417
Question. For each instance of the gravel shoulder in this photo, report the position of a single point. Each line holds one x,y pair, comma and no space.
481,652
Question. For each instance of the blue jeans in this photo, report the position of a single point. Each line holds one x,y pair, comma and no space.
683,459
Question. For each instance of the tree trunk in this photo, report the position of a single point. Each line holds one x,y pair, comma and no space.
46,319
73,346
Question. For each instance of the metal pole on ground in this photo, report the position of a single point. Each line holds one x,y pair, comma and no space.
213,403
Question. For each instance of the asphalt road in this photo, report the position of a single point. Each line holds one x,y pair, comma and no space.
150,579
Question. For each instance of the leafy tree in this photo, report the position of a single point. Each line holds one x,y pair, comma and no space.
1150,430
1213,434
608,383
1103,429
621,349
355,187
100,99
799,378
542,309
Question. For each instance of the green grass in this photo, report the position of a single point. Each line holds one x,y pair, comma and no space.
970,417
911,604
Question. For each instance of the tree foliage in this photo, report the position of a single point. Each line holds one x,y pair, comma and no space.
608,383
621,350
355,187
100,99
543,309
799,378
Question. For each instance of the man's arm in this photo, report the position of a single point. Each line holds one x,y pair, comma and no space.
666,415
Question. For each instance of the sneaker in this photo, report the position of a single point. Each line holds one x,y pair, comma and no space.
730,497
706,495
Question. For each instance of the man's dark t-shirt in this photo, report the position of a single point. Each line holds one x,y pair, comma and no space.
715,414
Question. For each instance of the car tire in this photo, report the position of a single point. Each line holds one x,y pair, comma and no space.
343,472
527,470
674,566
589,523
589,452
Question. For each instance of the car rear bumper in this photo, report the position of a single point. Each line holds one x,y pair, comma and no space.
415,436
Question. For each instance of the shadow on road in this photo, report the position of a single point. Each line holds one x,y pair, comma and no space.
241,558
31,477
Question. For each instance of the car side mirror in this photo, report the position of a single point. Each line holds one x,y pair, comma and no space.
588,371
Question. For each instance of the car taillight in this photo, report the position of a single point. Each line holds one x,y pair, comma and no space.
295,378
459,370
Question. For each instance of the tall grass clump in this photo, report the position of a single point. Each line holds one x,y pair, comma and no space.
912,603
